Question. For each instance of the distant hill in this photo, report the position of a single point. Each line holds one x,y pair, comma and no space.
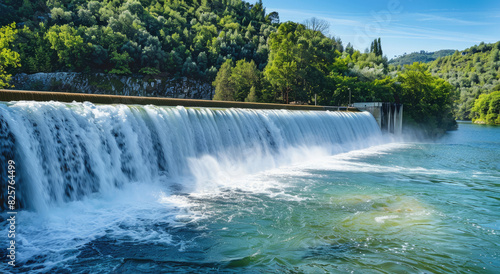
473,71
422,57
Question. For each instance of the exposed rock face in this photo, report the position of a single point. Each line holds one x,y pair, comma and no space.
100,83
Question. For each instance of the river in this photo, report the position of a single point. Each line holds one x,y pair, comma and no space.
380,207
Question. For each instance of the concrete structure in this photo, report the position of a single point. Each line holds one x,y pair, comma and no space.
18,95
389,116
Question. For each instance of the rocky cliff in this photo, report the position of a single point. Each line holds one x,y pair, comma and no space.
100,83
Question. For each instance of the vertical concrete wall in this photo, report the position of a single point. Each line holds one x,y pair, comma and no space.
389,116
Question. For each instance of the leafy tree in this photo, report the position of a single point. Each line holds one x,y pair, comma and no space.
224,90
8,57
152,54
486,108
428,100
282,67
61,16
70,48
86,18
34,50
121,62
273,18
190,68
244,76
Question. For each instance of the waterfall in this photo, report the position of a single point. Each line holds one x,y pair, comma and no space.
65,152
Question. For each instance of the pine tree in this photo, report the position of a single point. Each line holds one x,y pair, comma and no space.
379,49
252,96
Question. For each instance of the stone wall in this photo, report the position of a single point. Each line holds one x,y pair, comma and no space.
100,83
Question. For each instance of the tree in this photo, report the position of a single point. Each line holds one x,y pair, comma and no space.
281,69
273,18
34,50
244,76
152,55
70,48
121,61
258,11
316,24
428,100
61,16
224,90
379,48
486,108
376,47
252,96
349,48
190,68
8,57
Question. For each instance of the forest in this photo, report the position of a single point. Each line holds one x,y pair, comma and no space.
245,51
422,57
473,72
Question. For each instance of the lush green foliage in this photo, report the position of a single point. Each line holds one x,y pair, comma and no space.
7,56
299,62
234,82
428,100
422,57
487,108
180,38
472,72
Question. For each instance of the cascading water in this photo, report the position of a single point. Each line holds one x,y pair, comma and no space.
65,152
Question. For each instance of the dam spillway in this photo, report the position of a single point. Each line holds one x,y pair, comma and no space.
68,97
67,151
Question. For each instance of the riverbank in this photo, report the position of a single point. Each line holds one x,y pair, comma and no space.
482,122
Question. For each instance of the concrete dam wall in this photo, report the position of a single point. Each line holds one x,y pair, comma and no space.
389,116
18,95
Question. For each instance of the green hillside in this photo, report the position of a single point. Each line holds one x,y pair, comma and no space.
472,72
422,57
149,36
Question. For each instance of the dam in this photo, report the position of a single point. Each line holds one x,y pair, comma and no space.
45,96
67,151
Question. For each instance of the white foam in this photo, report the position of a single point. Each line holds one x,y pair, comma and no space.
126,214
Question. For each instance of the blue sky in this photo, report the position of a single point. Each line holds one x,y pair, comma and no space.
403,25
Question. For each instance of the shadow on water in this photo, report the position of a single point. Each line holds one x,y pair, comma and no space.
328,252
186,253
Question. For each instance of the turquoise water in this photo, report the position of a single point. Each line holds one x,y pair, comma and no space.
405,208
392,208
